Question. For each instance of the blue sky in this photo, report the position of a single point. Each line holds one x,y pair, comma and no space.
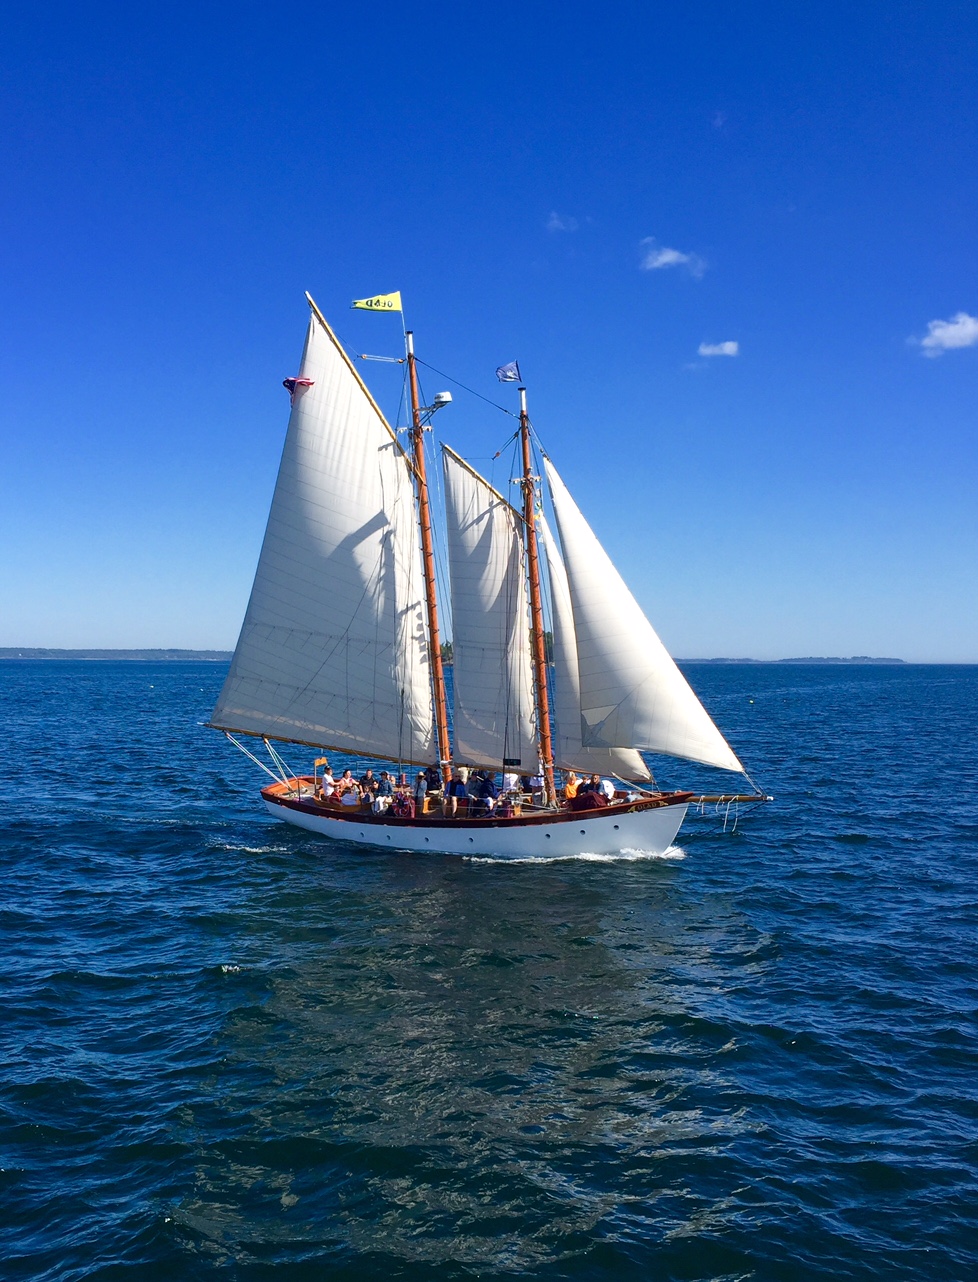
602,194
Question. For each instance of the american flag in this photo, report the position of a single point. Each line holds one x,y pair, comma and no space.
290,384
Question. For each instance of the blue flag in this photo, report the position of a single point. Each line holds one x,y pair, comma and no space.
510,373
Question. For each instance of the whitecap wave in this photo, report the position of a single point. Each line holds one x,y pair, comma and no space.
252,850
622,856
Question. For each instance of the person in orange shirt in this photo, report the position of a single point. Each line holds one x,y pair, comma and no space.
571,785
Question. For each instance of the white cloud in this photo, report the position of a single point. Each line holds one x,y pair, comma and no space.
655,257
943,335
730,348
560,222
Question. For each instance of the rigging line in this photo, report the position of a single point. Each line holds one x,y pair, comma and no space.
287,778
257,760
470,390
505,443
760,791
436,485
402,400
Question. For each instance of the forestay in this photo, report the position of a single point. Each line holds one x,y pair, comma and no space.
630,689
569,752
333,650
490,630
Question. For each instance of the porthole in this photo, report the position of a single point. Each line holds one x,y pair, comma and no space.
471,839
616,827
547,835
427,838
361,834
583,832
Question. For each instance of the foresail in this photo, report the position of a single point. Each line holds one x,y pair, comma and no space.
333,649
569,752
631,690
492,675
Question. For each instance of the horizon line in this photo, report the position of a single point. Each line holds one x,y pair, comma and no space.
214,654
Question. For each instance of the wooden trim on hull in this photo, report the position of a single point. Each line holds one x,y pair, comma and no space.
648,826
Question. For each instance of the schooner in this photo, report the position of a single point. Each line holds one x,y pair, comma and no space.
340,646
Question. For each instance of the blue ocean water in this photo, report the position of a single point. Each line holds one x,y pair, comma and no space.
230,1050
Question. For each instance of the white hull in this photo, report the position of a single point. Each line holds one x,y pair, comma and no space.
651,830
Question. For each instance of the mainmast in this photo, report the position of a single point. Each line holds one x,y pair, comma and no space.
428,563
536,609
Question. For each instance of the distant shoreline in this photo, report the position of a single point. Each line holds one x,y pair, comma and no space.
155,656
856,658
224,656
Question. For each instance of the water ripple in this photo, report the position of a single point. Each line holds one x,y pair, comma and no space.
230,1050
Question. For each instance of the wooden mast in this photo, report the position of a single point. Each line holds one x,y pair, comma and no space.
428,562
536,610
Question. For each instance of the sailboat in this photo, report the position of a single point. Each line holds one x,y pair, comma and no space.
340,647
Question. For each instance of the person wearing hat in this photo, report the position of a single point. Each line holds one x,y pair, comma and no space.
456,791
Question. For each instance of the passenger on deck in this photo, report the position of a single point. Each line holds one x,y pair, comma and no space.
403,804
351,797
368,783
483,794
420,791
589,796
571,785
327,784
536,789
456,791
345,783
383,796
608,789
511,781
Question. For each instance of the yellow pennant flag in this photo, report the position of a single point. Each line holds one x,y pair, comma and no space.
379,303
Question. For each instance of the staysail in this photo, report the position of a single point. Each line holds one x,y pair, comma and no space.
631,691
569,752
333,650
493,680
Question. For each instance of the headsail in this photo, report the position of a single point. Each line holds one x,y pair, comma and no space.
490,638
631,690
569,752
333,649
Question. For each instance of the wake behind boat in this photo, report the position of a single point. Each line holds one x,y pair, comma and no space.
340,648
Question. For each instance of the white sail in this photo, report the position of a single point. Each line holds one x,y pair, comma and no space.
631,690
490,630
569,752
333,650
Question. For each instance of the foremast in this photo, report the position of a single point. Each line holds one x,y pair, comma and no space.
537,646
428,566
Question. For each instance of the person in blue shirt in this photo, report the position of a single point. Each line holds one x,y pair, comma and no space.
420,791
483,794
456,791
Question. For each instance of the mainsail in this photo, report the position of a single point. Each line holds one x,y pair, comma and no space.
631,691
333,650
493,681
569,752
